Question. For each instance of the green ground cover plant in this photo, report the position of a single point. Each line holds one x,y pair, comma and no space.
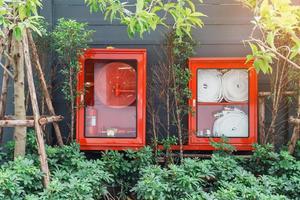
136,175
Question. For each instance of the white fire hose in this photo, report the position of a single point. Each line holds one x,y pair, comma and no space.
231,122
235,85
209,85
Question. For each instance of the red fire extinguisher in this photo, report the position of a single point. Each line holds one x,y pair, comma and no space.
90,121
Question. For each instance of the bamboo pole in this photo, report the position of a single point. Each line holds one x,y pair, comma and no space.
36,114
44,86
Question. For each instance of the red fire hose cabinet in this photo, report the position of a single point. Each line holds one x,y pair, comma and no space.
224,102
111,103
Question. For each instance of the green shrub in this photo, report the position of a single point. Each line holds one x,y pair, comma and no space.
31,147
89,181
18,178
125,167
178,182
65,157
223,177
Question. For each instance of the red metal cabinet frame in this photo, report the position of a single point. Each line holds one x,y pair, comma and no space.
202,143
86,143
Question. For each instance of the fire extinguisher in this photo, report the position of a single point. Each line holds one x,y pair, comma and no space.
91,121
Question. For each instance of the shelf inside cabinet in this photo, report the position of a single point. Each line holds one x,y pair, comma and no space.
221,103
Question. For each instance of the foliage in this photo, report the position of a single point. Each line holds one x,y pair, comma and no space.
16,16
168,142
297,151
222,146
278,22
177,182
69,40
223,177
266,161
18,178
87,181
182,49
31,148
68,50
126,167
72,177
65,158
145,15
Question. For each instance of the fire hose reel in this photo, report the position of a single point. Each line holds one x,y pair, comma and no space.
116,84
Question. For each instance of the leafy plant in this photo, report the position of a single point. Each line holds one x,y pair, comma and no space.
126,167
145,15
222,146
65,158
275,46
18,178
88,181
68,51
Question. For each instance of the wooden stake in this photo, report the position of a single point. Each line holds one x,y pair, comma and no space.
11,121
266,94
16,122
3,96
36,114
44,86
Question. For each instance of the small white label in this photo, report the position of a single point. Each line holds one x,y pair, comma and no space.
110,132
93,121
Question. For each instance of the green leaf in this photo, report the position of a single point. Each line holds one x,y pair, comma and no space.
270,39
253,48
17,33
139,5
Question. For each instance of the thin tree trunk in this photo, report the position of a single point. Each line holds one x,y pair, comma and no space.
262,134
178,119
19,97
153,114
72,104
36,114
44,86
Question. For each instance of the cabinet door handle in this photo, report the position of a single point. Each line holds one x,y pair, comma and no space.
82,99
194,102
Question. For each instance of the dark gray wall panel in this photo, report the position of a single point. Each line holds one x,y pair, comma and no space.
218,34
227,25
216,13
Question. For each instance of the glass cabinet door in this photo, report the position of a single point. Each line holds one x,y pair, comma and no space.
110,99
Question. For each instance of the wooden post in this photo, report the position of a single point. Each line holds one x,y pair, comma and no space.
5,79
261,118
3,96
11,121
36,114
44,86
296,131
